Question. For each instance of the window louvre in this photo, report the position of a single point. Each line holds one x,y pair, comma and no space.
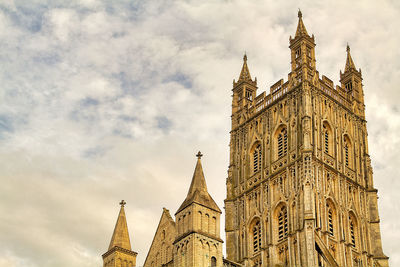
282,223
257,237
257,159
346,152
282,143
352,235
330,222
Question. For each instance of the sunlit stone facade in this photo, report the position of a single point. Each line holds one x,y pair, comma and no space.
300,189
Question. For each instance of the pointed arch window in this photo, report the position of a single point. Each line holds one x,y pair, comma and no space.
298,52
249,95
347,151
282,142
327,138
352,231
256,234
349,86
257,156
213,262
330,222
282,223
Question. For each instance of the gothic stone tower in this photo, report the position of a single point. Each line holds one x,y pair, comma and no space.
193,239
198,243
119,252
299,189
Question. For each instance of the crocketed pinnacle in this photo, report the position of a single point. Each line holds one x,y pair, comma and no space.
120,237
198,192
349,61
245,73
301,29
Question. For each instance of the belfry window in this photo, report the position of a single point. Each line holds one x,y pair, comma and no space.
352,233
347,151
298,52
349,86
249,95
256,233
330,221
326,138
213,262
282,143
282,223
257,158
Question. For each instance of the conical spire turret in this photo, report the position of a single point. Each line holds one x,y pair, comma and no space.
198,192
301,29
245,73
302,48
349,61
120,237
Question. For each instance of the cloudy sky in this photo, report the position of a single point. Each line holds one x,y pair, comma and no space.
108,100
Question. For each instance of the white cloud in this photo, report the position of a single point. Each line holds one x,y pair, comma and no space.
105,100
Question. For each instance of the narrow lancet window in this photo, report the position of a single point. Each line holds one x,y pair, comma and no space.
282,143
256,232
282,223
257,158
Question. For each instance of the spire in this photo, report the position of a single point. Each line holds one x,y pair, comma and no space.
198,192
349,61
301,29
120,237
245,73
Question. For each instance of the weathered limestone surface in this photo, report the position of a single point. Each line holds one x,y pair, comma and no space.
300,183
300,188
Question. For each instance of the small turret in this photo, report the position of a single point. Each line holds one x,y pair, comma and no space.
244,91
198,224
302,47
301,29
119,251
351,81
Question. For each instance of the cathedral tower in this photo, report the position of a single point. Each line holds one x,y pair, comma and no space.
300,188
119,252
198,242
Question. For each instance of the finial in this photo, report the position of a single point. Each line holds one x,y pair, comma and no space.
122,203
199,155
245,56
299,14
348,48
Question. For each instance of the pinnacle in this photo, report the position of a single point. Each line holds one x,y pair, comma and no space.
245,73
301,29
349,61
198,192
120,237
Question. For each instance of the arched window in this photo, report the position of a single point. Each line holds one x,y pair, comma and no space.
256,234
257,158
282,142
163,235
347,151
213,262
330,222
327,136
352,229
282,223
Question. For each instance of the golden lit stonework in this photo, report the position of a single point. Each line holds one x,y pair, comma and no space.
299,189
